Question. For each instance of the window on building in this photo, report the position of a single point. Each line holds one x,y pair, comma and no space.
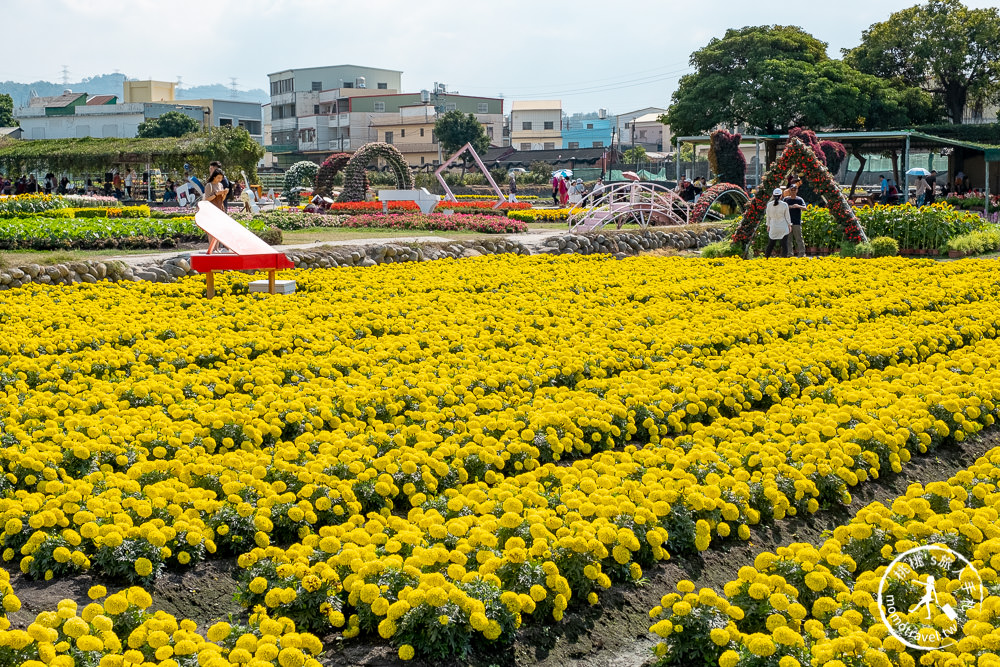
316,109
421,159
489,131
402,133
642,134
483,107
549,125
281,87
434,138
380,107
549,145
421,132
450,106
574,144
348,84
590,126
526,125
381,86
317,86
525,147
251,126
388,137
598,144
225,122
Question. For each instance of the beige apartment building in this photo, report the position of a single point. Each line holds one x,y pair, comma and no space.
536,125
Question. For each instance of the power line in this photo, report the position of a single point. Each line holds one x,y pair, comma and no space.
609,79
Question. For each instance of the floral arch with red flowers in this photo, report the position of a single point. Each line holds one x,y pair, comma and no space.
799,158
331,167
355,179
713,194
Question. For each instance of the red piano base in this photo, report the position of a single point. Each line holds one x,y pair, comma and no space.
208,264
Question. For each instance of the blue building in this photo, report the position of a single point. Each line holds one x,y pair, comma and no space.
587,133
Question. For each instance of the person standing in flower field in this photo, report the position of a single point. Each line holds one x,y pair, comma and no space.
921,190
779,224
555,189
512,186
795,207
931,187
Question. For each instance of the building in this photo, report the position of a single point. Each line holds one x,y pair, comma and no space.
407,121
536,125
647,131
218,113
623,124
10,132
76,115
297,96
586,133
309,118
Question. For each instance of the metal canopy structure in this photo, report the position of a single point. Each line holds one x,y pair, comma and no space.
904,141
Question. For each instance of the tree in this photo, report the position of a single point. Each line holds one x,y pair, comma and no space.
635,155
170,124
942,47
772,78
455,129
7,111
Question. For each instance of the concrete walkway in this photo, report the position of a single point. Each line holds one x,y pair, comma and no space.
533,240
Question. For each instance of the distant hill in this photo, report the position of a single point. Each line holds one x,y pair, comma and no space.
111,84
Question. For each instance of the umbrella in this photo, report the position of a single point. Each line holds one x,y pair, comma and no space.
631,175
565,173
918,171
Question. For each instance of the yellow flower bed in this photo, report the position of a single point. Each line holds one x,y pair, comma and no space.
386,451
801,605
543,214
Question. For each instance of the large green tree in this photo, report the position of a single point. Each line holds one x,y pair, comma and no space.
454,129
943,47
7,111
773,78
170,124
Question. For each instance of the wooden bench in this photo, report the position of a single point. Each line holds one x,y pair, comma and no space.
246,252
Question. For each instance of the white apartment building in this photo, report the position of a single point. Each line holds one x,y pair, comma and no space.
536,125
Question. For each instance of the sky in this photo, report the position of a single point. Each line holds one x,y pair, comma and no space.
618,56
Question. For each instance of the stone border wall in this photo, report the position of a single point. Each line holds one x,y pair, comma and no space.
617,243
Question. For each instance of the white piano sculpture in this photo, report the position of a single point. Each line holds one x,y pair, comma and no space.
425,200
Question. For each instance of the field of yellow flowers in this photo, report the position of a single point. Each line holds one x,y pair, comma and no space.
437,453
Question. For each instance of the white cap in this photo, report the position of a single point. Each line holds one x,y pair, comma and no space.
777,191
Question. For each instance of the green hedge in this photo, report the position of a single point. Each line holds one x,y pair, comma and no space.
98,233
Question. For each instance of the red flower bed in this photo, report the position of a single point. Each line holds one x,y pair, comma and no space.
438,222
359,207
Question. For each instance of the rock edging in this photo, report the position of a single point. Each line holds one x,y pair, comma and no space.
618,243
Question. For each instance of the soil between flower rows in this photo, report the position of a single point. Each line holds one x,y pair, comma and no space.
612,634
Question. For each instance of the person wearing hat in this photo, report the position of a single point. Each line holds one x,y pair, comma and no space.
779,224
795,207
576,193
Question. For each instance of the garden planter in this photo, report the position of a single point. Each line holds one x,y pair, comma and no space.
955,254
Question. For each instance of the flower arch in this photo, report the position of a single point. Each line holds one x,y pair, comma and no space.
800,158
712,195
300,173
328,170
355,182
